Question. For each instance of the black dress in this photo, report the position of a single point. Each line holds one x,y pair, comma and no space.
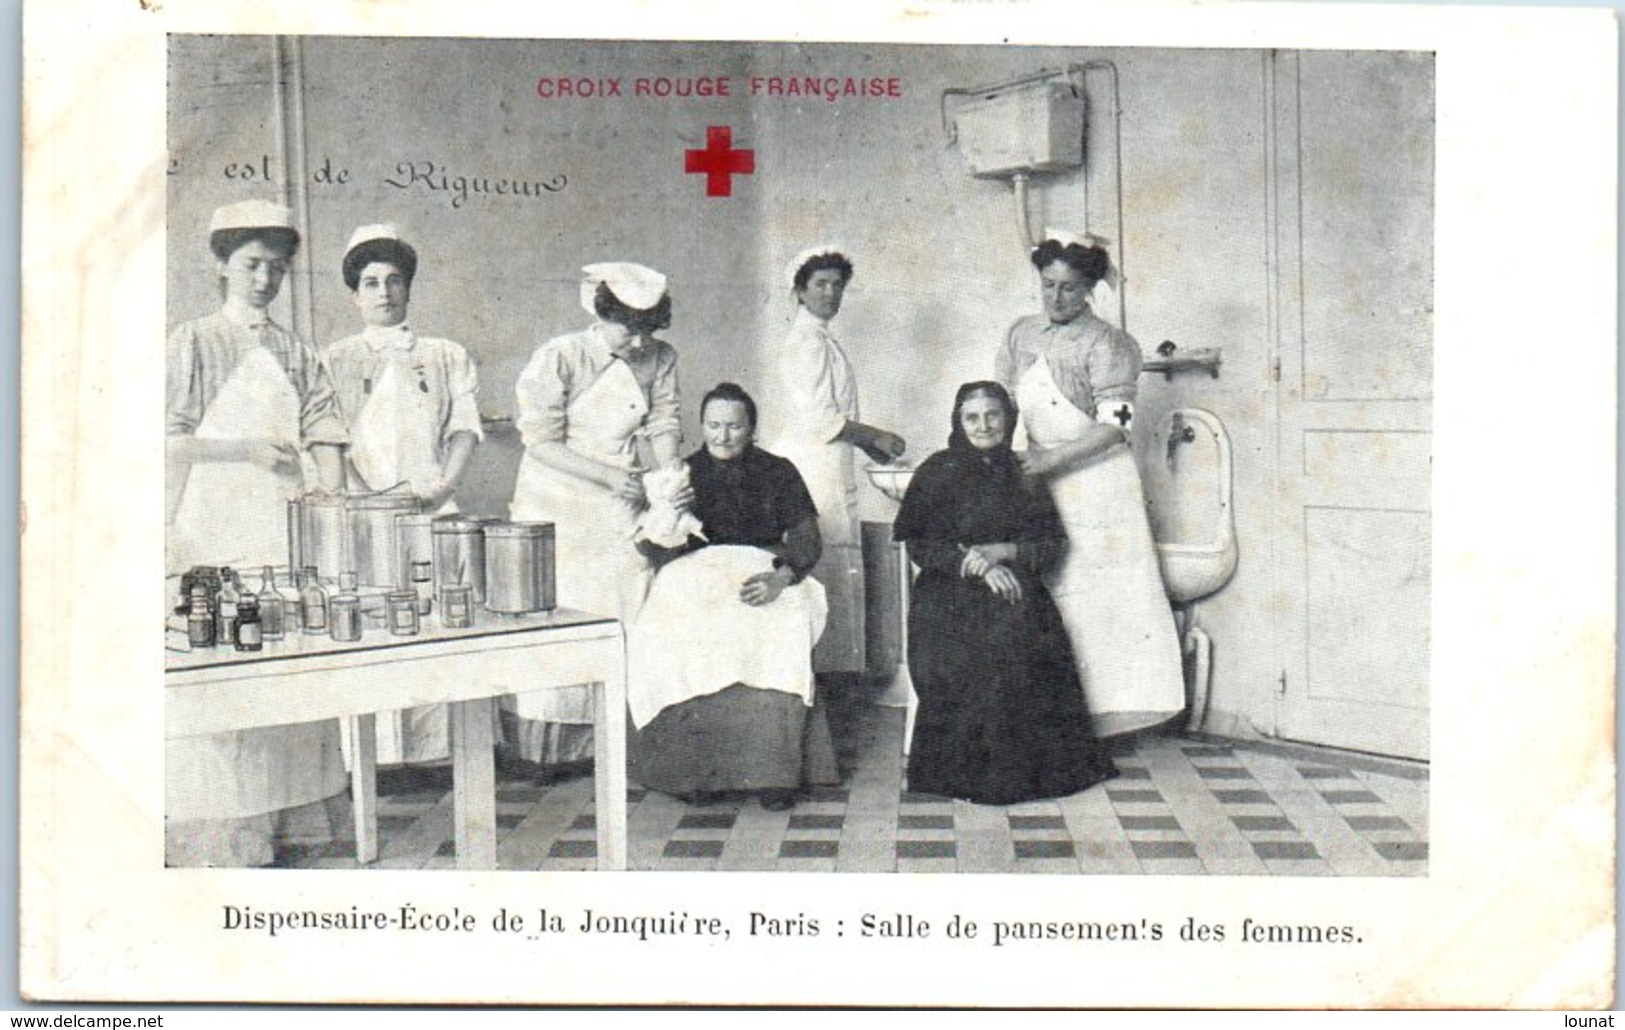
741,738
1002,717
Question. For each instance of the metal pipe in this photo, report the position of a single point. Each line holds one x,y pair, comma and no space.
1082,70
1024,227
290,127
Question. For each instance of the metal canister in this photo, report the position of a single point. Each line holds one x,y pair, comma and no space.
317,533
414,543
459,555
351,531
519,567
372,535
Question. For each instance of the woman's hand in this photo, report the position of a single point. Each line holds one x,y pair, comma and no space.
626,486
273,457
683,497
764,587
438,495
885,447
979,559
1036,461
1004,583
975,564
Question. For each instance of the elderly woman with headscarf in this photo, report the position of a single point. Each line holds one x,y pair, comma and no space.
719,662
1076,378
817,397
245,400
414,423
585,400
1002,718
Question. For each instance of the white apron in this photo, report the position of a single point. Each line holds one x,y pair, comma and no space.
1109,587
695,637
396,439
597,568
830,472
235,513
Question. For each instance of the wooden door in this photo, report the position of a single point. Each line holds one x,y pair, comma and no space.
1351,202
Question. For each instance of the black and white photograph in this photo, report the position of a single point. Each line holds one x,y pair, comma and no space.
1111,351
1010,474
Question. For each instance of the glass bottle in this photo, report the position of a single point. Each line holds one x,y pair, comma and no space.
200,618
344,611
290,601
457,606
313,603
225,604
403,612
272,611
247,630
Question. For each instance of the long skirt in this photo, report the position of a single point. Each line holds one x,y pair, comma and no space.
1002,718
737,739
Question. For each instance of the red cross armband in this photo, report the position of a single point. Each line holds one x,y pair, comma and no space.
1119,414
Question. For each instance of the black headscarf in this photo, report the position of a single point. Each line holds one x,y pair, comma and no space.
952,486
959,443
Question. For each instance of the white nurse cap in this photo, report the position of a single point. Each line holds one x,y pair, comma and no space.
1088,241
368,233
796,263
633,285
251,214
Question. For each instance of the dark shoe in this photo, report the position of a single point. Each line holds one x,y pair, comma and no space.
778,800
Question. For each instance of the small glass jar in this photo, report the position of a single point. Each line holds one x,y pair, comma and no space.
457,606
423,584
344,616
403,612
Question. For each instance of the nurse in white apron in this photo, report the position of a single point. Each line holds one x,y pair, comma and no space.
410,402
245,399
817,394
1075,378
585,401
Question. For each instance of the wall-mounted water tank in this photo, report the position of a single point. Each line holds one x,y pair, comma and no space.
1036,126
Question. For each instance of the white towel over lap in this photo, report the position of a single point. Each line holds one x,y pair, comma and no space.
695,636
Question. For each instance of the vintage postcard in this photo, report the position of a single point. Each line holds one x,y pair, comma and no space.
1115,508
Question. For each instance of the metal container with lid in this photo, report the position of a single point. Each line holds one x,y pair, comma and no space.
519,567
414,542
459,554
339,532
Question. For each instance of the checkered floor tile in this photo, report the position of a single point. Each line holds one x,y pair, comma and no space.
1181,806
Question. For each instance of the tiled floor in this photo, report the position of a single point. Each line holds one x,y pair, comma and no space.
1181,806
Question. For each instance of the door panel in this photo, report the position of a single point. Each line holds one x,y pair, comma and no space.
1352,188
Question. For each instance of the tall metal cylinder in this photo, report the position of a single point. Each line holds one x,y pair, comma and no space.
519,567
414,542
459,555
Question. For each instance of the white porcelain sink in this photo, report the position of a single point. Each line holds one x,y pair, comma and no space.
1193,571
1194,568
891,480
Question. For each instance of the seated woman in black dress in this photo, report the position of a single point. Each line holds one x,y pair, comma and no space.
719,673
1002,716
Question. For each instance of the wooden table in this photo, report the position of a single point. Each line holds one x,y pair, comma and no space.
309,678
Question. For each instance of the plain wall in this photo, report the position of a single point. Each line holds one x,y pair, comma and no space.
940,271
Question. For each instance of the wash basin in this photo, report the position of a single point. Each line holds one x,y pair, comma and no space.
1196,533
1191,572
891,480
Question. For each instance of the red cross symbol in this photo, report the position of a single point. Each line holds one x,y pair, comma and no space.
719,162
1123,414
